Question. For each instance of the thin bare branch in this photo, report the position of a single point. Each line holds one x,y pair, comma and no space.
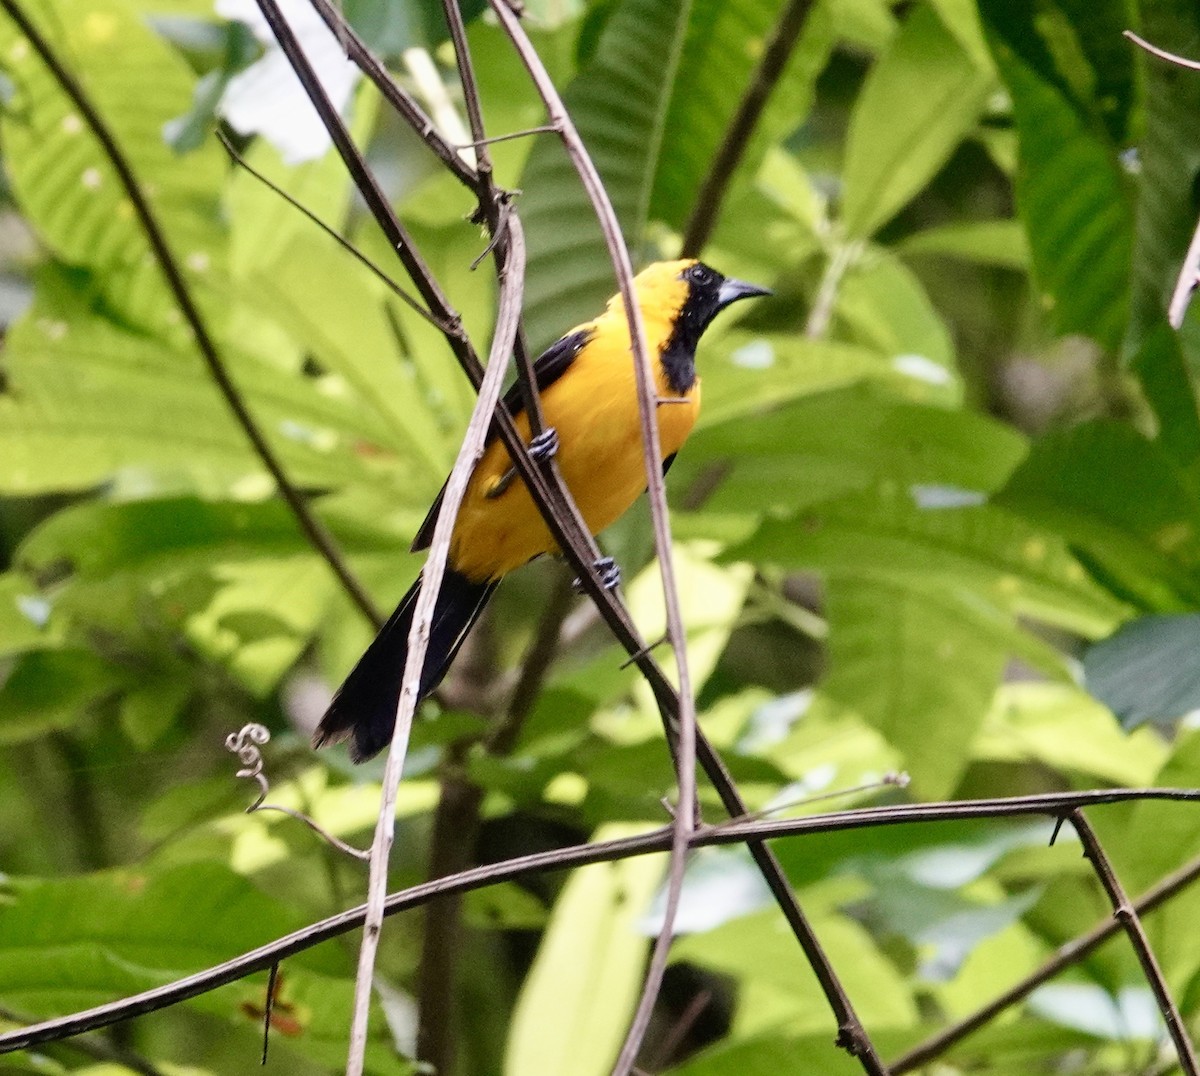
314,530
1072,952
545,128
685,760
1186,282
336,236
1125,914
393,92
1163,54
95,1047
1054,805
507,317
707,207
377,202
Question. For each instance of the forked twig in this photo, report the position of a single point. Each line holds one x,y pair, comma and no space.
1126,914
1072,952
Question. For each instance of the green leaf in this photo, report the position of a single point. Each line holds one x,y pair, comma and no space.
1161,368
918,102
982,548
756,949
69,944
1146,671
64,181
985,242
619,102
49,689
1062,727
1122,502
846,440
769,1054
88,397
574,1006
652,105
1169,148
884,306
1070,191
97,539
723,49
919,666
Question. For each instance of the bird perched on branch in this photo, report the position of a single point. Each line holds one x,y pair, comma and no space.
589,397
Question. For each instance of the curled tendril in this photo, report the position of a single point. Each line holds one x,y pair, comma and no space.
245,744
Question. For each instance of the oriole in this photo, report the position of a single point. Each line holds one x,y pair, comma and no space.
588,393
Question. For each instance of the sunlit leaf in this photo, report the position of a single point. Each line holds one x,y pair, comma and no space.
917,104
574,1006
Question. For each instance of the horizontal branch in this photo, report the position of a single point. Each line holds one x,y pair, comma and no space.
1052,804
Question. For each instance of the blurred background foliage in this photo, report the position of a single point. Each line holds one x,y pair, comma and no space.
940,516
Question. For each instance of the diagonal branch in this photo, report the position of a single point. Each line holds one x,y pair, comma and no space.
319,537
1071,953
684,822
707,206
679,709
1126,915
403,102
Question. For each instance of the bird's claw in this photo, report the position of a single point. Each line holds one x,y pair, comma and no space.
545,445
609,572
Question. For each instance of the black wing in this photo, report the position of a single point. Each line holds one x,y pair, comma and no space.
555,361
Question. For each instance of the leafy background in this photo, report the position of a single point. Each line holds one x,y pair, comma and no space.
941,516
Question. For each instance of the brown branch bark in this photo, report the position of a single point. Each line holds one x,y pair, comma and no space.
1125,914
1054,805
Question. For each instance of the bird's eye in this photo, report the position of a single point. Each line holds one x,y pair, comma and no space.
700,274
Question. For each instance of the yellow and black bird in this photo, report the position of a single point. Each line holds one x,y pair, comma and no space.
589,396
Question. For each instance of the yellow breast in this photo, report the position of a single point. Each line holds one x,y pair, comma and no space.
594,408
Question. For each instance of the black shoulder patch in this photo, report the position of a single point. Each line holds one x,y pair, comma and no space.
549,366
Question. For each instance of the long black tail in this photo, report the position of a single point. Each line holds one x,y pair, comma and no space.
364,707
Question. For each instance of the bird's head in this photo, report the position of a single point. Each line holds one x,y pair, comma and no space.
682,297
686,291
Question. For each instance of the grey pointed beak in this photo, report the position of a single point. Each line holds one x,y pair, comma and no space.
733,290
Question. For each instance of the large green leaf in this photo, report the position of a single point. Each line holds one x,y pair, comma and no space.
72,943
574,1006
849,439
96,539
619,103
652,105
723,48
1147,670
67,186
88,397
920,664
919,101
1123,503
888,535
1070,191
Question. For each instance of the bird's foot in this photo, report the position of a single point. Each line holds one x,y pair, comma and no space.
545,445
609,572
